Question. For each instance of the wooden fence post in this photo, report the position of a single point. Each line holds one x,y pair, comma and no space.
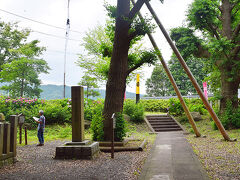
13,134
1,139
6,138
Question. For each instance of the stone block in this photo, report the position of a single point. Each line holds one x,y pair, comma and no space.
89,151
196,116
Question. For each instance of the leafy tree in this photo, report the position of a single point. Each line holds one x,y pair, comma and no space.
198,69
158,84
89,82
10,38
22,72
128,29
99,43
114,55
219,24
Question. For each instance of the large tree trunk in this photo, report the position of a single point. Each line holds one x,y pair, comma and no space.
116,83
229,91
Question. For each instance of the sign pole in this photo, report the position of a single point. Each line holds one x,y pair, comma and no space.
137,89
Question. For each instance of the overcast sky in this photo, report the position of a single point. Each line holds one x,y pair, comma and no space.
84,15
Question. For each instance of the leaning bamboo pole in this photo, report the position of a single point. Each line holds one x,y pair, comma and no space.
186,110
191,77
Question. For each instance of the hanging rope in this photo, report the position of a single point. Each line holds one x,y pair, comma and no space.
65,50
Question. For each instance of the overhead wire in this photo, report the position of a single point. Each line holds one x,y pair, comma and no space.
48,34
46,24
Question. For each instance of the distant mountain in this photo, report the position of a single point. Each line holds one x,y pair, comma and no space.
51,91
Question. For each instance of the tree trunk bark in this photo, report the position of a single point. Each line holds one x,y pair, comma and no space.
116,83
229,91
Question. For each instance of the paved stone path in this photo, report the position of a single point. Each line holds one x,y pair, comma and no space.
172,158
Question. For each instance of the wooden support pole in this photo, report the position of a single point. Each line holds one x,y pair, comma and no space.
191,77
186,110
13,134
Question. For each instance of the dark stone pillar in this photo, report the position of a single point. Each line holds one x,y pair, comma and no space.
77,113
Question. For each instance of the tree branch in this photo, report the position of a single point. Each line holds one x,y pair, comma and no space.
135,67
136,9
202,53
236,32
236,51
133,35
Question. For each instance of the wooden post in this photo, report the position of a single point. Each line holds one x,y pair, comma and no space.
186,110
188,72
13,136
20,133
25,135
6,138
77,114
112,147
1,139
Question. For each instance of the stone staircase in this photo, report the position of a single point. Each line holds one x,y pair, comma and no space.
162,123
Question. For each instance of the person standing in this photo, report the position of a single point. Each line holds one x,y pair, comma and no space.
41,126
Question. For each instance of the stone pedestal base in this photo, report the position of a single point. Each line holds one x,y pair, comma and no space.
77,150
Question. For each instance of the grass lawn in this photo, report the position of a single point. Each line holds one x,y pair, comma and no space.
64,133
220,158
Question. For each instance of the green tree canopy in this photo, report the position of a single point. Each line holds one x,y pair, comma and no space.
158,84
10,38
90,83
99,44
218,23
198,69
20,68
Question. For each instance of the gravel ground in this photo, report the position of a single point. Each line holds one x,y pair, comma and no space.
38,163
221,159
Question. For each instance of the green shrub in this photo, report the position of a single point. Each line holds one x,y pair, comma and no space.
56,113
97,124
175,107
198,108
120,130
90,108
230,118
134,111
155,105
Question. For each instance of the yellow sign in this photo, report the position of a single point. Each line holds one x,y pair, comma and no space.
137,85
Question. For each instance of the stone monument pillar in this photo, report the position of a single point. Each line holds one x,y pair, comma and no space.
77,114
78,148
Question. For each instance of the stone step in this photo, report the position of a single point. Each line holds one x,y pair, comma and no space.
167,129
165,126
163,123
